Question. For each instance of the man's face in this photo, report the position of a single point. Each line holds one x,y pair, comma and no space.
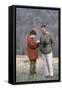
43,30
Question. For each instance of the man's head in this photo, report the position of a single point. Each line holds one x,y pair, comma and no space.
44,29
33,33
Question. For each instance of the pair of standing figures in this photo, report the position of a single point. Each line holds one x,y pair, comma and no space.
45,45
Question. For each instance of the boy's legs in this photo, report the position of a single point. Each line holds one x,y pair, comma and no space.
32,66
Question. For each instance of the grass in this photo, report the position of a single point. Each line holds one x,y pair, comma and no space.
22,71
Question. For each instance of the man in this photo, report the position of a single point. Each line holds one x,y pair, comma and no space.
32,46
46,46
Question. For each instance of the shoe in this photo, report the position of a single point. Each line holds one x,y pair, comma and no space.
51,76
47,76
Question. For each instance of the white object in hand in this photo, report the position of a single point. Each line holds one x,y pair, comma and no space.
38,41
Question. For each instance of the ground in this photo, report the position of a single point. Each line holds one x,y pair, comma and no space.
22,69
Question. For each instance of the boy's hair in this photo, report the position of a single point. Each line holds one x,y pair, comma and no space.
32,32
43,26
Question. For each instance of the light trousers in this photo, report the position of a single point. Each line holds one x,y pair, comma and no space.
48,67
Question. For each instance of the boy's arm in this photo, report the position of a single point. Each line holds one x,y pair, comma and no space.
32,44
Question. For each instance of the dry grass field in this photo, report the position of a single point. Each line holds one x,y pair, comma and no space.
22,69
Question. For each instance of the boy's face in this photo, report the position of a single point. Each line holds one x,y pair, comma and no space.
32,35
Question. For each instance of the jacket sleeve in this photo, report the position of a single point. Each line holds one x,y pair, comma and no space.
52,42
40,44
32,44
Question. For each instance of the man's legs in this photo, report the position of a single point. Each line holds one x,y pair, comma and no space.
46,71
50,65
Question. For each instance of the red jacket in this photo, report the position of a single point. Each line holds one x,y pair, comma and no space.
32,48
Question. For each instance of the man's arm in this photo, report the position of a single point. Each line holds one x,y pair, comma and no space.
40,44
52,42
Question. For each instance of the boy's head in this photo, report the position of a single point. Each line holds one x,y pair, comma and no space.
44,29
33,33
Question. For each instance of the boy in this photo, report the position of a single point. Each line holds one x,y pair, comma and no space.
32,46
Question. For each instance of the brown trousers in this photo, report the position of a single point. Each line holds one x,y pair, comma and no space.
32,66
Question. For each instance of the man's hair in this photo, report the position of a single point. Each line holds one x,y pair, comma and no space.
43,26
32,32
